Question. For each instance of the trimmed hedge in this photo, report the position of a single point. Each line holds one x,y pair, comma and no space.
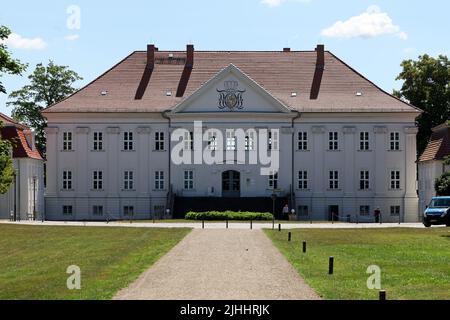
228,215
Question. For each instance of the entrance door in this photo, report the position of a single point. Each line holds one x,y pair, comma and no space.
333,210
231,184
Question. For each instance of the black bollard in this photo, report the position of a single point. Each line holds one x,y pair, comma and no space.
227,223
331,265
304,246
279,227
289,236
251,224
382,295
203,224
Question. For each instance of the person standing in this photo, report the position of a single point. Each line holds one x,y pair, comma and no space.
286,212
377,214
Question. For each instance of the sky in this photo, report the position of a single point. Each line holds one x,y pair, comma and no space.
91,36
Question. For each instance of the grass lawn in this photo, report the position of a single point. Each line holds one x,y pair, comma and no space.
415,263
34,259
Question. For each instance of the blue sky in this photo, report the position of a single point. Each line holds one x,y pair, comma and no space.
372,36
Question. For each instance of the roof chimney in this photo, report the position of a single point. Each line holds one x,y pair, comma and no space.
151,56
190,56
320,63
286,49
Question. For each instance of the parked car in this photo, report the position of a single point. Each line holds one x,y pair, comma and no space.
437,212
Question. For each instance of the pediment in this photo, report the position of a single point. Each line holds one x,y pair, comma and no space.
231,90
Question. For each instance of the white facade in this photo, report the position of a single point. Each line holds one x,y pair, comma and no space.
374,158
25,198
429,171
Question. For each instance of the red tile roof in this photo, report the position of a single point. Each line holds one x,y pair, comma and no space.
439,145
280,73
17,133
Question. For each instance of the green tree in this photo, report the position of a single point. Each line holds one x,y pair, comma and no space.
426,86
7,63
6,166
442,185
48,85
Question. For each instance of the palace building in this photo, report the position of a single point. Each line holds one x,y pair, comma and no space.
132,143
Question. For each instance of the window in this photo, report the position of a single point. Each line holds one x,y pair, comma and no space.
333,142
303,211
159,180
212,141
364,182
303,180
159,141
128,180
67,180
67,141
128,210
231,141
334,180
273,140
364,141
97,210
364,210
273,181
395,141
188,179
303,141
128,141
67,210
250,142
97,180
188,140
395,211
98,141
395,179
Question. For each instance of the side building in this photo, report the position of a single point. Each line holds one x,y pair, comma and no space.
25,198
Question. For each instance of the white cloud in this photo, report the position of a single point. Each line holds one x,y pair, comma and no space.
72,37
17,41
369,24
276,3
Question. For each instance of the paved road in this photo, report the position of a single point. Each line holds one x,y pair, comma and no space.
221,264
221,225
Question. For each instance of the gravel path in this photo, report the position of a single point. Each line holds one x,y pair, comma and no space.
224,265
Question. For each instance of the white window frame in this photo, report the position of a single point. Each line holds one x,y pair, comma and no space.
97,180
364,180
67,210
273,141
302,140
97,141
128,180
395,211
303,182
128,141
188,180
394,141
333,179
364,141
333,141
212,140
159,180
67,182
395,180
67,141
159,141
97,210
273,181
128,211
188,140
250,142
230,141
364,212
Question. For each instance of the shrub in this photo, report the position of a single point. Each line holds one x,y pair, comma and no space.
442,185
228,215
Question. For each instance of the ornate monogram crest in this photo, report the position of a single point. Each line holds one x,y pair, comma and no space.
231,97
